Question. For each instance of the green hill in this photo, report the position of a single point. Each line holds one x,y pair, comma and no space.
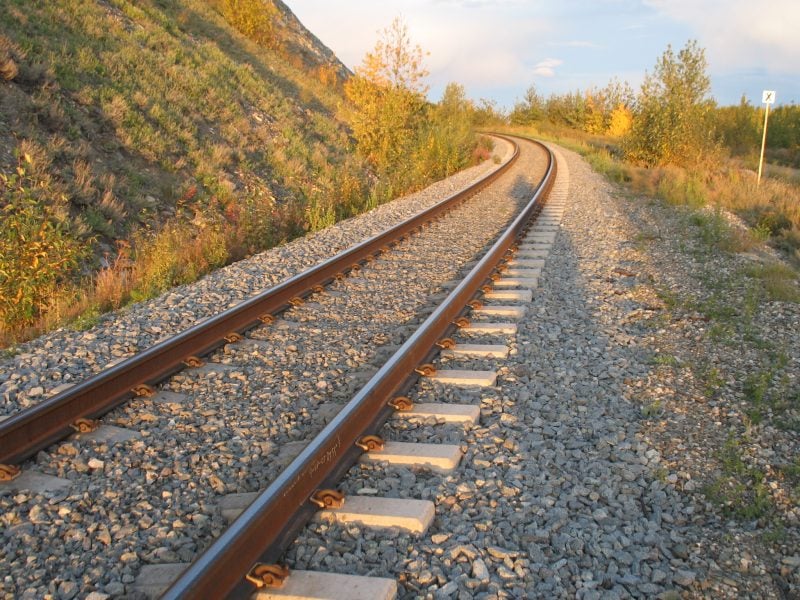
156,127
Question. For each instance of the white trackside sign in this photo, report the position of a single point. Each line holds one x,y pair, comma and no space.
767,97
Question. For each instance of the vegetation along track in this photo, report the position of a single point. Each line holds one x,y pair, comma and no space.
260,395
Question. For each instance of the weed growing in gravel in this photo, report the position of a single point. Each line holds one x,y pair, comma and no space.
666,360
739,490
652,410
710,378
9,352
791,473
86,320
776,534
715,231
779,281
769,392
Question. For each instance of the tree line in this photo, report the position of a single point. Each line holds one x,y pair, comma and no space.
671,120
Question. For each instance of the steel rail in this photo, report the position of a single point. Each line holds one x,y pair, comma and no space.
25,433
266,527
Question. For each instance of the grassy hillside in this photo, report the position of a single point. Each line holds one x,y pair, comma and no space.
155,129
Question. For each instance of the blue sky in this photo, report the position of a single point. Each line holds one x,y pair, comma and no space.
498,48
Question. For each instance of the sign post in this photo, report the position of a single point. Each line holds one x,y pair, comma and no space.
767,98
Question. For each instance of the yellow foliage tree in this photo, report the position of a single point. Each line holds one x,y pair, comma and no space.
388,96
620,121
593,120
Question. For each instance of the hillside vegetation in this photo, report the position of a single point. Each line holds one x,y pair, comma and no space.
144,143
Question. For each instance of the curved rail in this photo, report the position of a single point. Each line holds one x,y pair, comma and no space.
25,433
266,527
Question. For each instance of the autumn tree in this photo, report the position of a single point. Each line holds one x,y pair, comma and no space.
739,127
610,108
387,94
672,121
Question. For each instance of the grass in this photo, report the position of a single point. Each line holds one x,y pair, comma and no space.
769,392
739,490
127,105
665,360
778,281
652,410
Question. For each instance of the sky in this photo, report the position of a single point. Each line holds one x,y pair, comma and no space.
498,48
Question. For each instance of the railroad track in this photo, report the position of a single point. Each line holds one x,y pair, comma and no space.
269,523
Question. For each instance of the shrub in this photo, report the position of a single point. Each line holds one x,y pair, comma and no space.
254,18
672,120
37,247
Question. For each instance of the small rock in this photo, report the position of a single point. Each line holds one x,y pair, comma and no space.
460,549
500,552
95,463
479,570
67,590
506,573
425,578
791,561
684,578
448,590
681,551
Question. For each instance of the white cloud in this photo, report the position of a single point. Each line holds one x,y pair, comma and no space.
547,67
741,33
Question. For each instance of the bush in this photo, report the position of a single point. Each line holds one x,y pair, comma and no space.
37,247
254,18
672,120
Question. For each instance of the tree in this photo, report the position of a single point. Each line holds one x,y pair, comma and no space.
388,96
620,121
672,120
570,109
487,114
530,110
740,127
446,140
